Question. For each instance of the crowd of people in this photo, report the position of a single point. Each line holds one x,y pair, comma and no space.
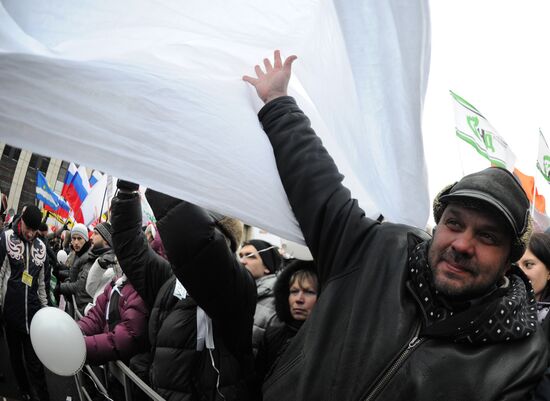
383,312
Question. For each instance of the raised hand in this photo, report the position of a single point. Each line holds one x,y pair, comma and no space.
272,83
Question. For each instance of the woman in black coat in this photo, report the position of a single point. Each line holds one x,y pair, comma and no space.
535,263
296,292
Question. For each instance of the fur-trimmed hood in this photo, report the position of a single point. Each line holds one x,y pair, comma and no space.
282,288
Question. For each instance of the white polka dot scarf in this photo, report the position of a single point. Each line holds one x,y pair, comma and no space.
504,315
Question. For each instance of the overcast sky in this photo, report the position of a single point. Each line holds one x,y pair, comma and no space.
495,54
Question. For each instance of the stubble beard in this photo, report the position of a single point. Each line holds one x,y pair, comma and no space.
455,289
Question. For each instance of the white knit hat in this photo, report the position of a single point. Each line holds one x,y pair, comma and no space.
81,230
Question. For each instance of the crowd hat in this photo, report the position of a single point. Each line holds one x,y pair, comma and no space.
269,254
499,189
81,230
32,217
106,231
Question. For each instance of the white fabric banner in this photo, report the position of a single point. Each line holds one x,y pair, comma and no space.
152,92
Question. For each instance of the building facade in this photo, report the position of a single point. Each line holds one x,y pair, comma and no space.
18,169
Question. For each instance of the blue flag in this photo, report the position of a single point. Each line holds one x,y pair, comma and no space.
44,192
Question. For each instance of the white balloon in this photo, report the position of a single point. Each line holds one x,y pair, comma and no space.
58,341
62,256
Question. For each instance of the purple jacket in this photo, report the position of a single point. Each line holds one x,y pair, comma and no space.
127,338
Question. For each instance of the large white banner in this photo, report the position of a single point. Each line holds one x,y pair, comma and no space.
152,92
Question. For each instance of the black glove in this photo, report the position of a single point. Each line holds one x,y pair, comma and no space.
127,186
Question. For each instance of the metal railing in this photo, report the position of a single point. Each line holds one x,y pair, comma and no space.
118,370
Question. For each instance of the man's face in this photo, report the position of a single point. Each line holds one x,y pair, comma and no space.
27,232
97,240
252,260
77,241
469,253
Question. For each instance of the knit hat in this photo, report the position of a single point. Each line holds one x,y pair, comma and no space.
269,254
106,231
81,230
32,217
500,190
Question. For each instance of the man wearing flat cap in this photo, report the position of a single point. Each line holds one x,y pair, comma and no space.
403,316
22,294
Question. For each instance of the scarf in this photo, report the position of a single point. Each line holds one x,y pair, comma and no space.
504,314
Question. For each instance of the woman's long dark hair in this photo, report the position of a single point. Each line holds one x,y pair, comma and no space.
539,245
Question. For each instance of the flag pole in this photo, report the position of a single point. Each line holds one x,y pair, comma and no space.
104,195
533,199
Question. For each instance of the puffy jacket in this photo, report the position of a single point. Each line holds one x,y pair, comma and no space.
19,259
265,308
78,287
213,278
365,338
100,274
118,337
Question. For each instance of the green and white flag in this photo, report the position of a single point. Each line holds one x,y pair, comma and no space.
543,159
475,130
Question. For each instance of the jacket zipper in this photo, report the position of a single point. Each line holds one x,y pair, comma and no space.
27,291
394,367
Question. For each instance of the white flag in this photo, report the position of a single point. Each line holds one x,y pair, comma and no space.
475,130
543,159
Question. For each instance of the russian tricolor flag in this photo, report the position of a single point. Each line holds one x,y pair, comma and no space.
95,177
75,189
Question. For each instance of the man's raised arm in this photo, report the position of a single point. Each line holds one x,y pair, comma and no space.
331,221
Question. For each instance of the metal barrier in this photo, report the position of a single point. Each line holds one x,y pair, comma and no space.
118,369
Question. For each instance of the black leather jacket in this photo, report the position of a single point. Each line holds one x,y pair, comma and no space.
361,341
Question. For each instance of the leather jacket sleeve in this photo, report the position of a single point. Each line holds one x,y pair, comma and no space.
331,221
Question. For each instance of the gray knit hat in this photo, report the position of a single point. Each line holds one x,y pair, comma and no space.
81,230
106,231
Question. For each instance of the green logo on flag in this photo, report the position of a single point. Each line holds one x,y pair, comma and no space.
545,168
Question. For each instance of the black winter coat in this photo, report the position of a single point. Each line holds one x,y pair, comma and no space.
22,286
77,287
281,328
367,316
213,278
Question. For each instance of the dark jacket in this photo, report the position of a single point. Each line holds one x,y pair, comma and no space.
542,391
281,328
78,287
213,278
265,308
123,334
50,265
368,315
21,298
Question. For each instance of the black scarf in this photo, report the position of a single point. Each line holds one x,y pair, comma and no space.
505,314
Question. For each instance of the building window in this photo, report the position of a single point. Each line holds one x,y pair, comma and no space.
39,162
11,153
